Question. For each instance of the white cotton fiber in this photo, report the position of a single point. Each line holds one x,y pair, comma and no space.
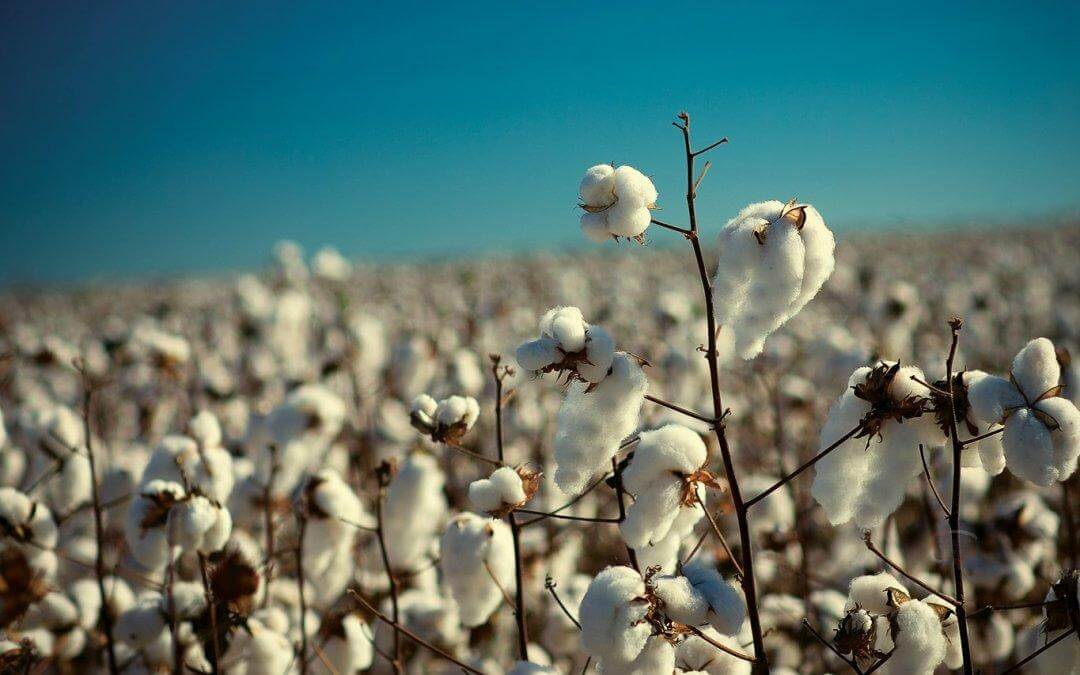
695,654
477,561
727,609
662,458
870,592
568,344
617,202
503,487
768,270
658,656
920,641
566,326
591,425
414,510
611,616
866,483
682,602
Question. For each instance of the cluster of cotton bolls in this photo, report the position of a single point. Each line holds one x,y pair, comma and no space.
292,464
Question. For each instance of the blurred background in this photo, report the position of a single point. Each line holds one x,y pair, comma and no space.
156,139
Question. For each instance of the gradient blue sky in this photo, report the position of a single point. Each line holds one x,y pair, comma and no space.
154,138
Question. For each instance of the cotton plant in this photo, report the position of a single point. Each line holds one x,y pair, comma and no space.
774,258
444,421
617,202
612,616
864,479
477,561
568,346
1041,438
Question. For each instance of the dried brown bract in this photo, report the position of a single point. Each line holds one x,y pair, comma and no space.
883,407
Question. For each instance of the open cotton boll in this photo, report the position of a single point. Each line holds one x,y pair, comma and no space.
423,408
774,258
145,525
503,489
178,459
32,521
591,425
537,354
457,410
663,463
919,639
617,202
568,346
612,616
682,602
477,561
658,656
258,651
862,482
330,497
566,326
870,592
599,353
197,524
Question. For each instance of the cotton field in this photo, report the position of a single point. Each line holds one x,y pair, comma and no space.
714,443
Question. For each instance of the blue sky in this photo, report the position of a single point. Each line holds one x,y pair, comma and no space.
157,138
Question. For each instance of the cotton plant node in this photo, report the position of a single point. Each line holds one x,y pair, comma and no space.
875,390
957,407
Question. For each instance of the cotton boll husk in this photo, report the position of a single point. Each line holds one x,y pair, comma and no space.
920,642
591,425
597,187
696,654
869,592
658,656
611,616
470,547
503,486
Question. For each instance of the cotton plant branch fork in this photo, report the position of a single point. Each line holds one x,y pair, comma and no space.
747,581
500,372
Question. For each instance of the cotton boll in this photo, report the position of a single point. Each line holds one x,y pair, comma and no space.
258,651
599,354
503,488
920,642
990,396
566,326
771,266
871,592
537,354
197,524
33,520
457,410
179,458
330,265
595,227
662,460
470,547
598,186
612,616
145,525
414,510
591,425
682,602
617,202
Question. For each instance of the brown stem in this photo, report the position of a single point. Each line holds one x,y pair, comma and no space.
515,529
301,524
559,516
988,434
622,509
381,536
680,409
210,607
954,512
473,455
907,575
930,481
1035,654
803,467
711,355
720,645
832,648
674,228
719,535
549,584
398,628
99,529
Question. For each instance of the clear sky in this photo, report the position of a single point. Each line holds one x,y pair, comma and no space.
153,138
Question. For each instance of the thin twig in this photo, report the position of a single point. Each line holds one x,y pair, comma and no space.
832,648
549,584
930,481
398,628
976,439
913,579
720,645
680,409
559,516
1035,654
719,535
708,148
384,478
803,467
301,525
673,228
